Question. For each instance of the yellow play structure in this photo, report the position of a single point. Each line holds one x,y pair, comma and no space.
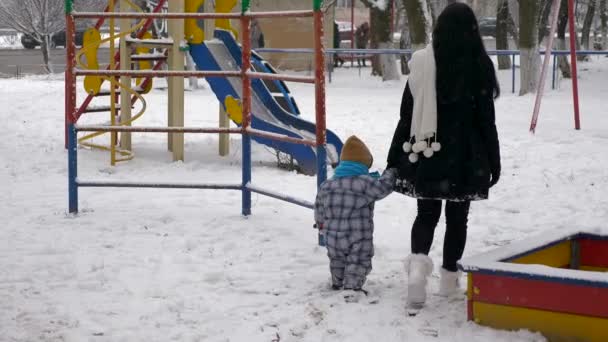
139,50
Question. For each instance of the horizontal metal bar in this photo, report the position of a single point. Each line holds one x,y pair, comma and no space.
281,77
156,185
134,15
286,198
141,129
281,14
409,52
280,137
152,73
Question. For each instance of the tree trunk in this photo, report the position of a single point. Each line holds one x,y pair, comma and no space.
419,22
514,21
502,38
404,44
44,48
604,23
545,11
528,40
562,23
381,37
587,27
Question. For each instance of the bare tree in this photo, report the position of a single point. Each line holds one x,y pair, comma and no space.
562,23
529,11
40,19
587,22
381,37
604,23
419,21
502,37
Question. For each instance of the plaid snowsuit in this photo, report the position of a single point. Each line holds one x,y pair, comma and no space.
345,209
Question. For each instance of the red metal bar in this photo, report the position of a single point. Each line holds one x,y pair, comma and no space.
280,77
571,25
117,15
246,62
141,129
100,21
320,80
149,21
281,137
153,73
70,79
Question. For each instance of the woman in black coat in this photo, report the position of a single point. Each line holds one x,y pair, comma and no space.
446,144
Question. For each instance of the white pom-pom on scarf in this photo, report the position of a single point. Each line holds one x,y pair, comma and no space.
419,146
407,147
436,146
413,158
428,152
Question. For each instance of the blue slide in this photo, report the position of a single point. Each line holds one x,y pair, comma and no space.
273,108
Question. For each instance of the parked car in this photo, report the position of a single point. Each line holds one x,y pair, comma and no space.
58,39
487,26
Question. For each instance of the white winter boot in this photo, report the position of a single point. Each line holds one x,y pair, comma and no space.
418,268
449,284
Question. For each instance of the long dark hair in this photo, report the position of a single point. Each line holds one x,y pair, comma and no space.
463,65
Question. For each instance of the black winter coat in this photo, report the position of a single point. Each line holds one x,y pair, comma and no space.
469,155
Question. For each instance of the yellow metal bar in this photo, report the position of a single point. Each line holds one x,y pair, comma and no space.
553,325
554,256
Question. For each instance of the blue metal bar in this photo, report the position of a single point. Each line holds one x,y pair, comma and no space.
157,185
246,193
286,198
554,72
513,76
321,165
72,169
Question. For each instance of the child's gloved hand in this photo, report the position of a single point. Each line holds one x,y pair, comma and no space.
318,225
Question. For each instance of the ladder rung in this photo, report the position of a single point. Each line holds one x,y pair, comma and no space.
98,109
107,93
137,58
158,43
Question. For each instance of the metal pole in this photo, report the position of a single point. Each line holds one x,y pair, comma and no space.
513,76
571,25
72,169
246,101
554,72
320,96
70,79
541,84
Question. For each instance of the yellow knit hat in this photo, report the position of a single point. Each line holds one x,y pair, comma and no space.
355,150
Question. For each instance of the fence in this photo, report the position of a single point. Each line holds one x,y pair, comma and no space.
354,53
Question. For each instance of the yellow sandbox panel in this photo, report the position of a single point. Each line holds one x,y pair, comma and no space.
593,268
554,256
553,325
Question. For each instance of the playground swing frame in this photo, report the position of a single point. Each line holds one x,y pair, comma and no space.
246,131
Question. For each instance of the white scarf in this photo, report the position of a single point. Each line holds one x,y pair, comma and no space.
422,84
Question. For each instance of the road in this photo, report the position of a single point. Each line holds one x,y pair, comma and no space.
20,61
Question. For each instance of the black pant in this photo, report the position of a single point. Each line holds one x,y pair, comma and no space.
456,215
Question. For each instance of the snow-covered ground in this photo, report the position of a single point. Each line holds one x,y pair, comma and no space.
164,265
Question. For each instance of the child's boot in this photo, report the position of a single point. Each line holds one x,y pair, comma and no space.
418,268
449,283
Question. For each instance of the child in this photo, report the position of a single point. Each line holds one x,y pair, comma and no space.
344,210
